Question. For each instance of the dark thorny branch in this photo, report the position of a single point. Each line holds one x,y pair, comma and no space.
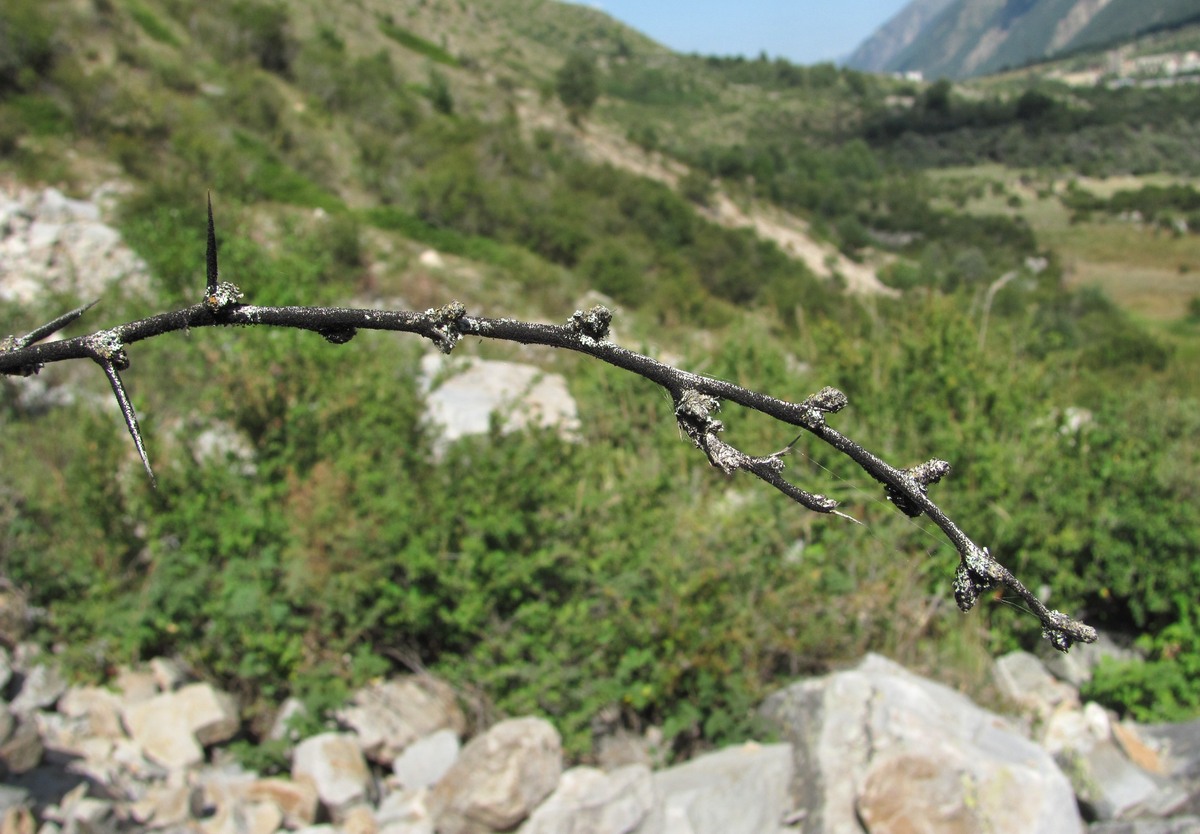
696,398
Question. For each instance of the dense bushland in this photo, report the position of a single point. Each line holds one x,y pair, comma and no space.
544,575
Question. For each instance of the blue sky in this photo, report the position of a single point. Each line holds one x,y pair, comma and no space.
803,31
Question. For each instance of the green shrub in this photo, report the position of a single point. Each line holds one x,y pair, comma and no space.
1164,687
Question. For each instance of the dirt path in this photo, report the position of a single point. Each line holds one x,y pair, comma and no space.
788,232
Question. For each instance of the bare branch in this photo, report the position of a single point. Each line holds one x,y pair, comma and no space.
696,398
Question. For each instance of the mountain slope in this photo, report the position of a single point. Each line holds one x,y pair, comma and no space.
877,52
974,37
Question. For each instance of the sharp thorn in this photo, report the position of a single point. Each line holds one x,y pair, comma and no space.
211,252
52,327
114,379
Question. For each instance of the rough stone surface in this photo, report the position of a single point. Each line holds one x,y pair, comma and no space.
334,765
211,714
389,716
843,724
22,750
426,760
1025,680
44,684
523,396
163,732
590,801
499,778
739,790
52,244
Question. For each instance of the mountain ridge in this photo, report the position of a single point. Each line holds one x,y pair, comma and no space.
958,39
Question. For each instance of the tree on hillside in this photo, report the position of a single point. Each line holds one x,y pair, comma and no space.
578,85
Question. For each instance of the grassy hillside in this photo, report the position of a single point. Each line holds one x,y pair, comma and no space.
618,573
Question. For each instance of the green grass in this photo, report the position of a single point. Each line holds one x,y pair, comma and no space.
151,25
416,43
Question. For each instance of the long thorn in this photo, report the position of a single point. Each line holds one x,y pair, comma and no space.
114,379
212,251
52,327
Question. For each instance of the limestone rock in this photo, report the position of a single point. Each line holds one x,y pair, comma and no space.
212,715
50,243
333,763
850,729
426,760
405,812
44,684
524,395
23,749
1115,774
389,716
590,801
739,790
296,801
1027,682
499,778
163,732
98,709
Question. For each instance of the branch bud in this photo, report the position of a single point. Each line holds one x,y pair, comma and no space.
593,324
224,295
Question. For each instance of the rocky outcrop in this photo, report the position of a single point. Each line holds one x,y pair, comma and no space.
880,744
461,395
51,244
871,750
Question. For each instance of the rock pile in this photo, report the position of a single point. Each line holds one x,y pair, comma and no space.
872,749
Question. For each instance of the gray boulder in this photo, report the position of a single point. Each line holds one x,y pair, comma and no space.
590,801
389,716
907,754
426,760
334,765
499,778
738,790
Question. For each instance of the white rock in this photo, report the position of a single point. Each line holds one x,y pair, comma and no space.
98,707
525,395
212,715
877,733
739,790
426,760
335,765
163,732
590,801
389,716
499,778
44,684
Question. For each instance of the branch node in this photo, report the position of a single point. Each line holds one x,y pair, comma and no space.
917,481
221,297
828,400
338,335
594,323
975,574
106,347
447,325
